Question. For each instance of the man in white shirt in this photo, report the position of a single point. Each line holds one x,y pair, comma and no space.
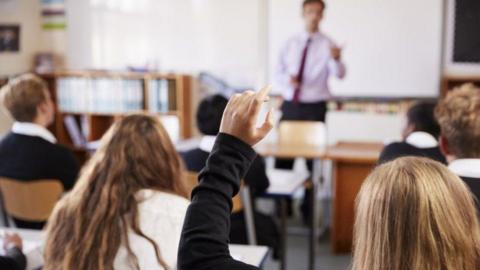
459,118
306,62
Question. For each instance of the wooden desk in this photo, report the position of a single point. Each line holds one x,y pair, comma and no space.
293,151
352,162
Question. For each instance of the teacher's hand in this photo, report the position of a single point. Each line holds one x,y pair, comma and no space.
294,82
240,116
336,52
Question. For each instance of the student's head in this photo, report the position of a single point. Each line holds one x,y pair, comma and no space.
209,114
421,117
88,225
413,213
459,118
27,99
313,13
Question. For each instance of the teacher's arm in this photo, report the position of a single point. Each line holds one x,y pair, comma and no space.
336,66
204,240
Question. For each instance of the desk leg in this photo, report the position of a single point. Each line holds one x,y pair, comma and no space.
283,233
316,174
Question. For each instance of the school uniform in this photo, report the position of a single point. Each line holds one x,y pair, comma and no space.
14,259
161,216
30,152
257,180
418,144
204,241
469,171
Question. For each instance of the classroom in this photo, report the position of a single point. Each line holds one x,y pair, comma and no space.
253,134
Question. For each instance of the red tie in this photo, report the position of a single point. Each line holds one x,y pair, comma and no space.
296,94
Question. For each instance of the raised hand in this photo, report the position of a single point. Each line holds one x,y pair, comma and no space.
240,116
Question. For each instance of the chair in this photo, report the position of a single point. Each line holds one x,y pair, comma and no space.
30,201
242,201
310,133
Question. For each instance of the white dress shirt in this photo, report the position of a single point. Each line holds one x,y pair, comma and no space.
31,129
161,217
421,140
466,167
319,66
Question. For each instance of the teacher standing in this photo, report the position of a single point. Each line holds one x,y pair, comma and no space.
306,62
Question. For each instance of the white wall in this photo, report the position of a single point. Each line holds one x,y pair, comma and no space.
26,13
219,36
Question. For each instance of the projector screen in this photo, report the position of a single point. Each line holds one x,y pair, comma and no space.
391,48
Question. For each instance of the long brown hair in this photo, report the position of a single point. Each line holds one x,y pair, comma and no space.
413,213
90,224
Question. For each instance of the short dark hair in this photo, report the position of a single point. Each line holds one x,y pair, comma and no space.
422,116
209,114
308,2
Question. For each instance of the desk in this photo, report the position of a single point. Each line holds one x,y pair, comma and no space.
352,162
33,249
301,151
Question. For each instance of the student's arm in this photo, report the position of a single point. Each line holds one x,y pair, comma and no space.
14,258
256,177
204,240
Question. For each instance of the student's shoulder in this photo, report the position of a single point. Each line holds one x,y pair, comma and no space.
163,203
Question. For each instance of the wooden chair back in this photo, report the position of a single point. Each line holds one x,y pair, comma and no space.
310,133
192,182
30,201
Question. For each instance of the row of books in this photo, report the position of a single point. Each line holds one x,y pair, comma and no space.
99,95
162,96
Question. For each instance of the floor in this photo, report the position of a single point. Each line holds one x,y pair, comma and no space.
297,256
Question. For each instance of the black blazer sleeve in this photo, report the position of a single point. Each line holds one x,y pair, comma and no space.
256,178
14,260
204,240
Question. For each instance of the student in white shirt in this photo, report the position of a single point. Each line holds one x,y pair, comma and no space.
420,135
459,118
128,207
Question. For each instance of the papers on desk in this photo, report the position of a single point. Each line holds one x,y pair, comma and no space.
28,246
285,182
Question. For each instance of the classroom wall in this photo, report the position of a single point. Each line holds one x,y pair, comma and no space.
27,14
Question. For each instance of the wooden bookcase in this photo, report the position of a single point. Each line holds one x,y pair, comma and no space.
450,82
99,121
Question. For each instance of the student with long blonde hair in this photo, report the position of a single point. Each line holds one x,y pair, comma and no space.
128,206
413,213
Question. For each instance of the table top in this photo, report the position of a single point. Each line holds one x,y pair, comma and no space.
343,151
33,242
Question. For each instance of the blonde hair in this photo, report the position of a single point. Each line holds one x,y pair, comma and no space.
459,118
413,213
90,223
22,95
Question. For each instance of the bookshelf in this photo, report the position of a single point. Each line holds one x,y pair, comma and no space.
89,102
450,82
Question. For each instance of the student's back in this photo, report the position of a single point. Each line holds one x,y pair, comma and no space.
29,152
459,118
419,136
127,209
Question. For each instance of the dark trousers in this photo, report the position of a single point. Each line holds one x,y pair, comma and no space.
302,112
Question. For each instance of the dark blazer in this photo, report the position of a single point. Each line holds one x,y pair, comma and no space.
30,158
13,260
403,149
474,185
204,240
256,177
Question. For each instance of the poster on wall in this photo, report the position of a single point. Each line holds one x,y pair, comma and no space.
53,15
9,38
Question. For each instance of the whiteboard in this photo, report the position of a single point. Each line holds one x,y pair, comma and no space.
392,48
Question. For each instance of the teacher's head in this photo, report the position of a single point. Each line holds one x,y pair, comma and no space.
313,14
